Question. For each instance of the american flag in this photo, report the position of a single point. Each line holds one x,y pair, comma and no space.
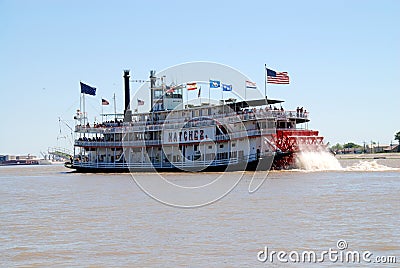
170,90
277,77
140,102
104,102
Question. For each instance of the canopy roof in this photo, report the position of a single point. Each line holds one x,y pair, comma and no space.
252,103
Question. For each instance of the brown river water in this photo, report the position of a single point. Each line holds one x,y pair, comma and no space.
50,217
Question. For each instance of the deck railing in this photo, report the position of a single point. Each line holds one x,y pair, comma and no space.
233,135
178,123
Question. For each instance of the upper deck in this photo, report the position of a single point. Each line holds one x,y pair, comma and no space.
196,117
141,123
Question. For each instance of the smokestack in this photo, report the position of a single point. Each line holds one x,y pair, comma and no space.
127,111
127,90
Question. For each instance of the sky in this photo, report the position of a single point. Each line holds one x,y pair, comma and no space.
343,59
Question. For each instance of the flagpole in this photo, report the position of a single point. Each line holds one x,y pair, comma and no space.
187,97
84,109
80,113
102,111
115,109
265,83
223,102
199,95
209,92
245,91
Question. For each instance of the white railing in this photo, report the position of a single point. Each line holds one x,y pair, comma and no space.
233,135
185,122
170,123
117,143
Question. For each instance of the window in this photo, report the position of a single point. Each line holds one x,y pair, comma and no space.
158,93
221,146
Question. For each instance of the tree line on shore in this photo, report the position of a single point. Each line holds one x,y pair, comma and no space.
373,147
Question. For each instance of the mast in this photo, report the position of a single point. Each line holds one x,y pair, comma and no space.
152,86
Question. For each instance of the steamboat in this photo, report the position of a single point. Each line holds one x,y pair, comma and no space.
176,136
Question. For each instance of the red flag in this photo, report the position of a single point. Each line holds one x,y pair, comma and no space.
191,86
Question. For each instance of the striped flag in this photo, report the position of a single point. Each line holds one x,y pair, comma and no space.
140,102
191,86
250,84
170,90
104,102
277,77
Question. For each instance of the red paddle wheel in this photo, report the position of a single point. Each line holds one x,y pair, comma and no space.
292,141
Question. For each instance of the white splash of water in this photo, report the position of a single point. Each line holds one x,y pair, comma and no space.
317,161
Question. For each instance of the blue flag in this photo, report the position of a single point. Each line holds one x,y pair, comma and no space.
215,84
85,89
226,87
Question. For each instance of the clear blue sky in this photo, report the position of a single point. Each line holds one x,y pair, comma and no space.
343,58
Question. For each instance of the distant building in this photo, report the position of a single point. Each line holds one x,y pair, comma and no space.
350,151
18,160
16,157
370,150
391,149
378,148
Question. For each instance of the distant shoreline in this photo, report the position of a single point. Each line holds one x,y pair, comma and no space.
369,156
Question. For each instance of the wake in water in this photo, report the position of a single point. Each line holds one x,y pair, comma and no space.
319,159
368,166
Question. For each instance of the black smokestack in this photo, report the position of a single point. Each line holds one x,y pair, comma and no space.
127,90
